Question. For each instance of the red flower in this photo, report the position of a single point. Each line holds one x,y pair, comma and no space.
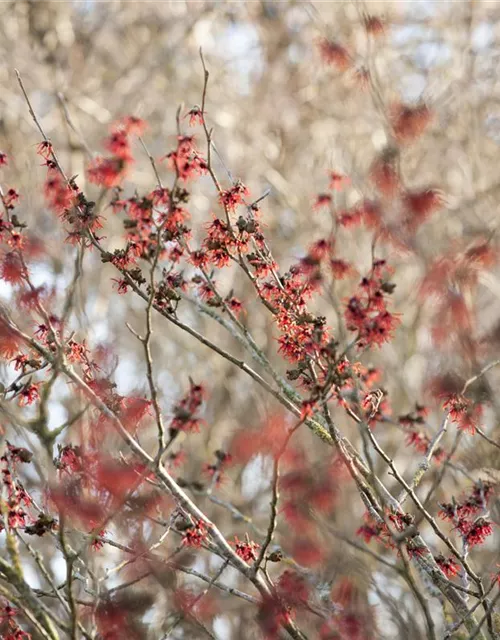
423,203
447,565
374,26
307,552
477,532
132,125
3,159
121,285
133,410
160,196
175,460
337,181
416,552
322,200
340,268
307,409
235,305
16,518
70,459
409,122
362,77
29,394
293,588
246,550
20,362
418,440
350,218
119,146
195,116
317,252
58,194
185,160
268,439
9,341
31,298
195,535
199,258
384,173
77,352
185,412
11,198
334,54
463,412
45,149
11,268
233,197
108,172
368,532
9,627
448,511
481,256
114,622
97,544
271,616
19,454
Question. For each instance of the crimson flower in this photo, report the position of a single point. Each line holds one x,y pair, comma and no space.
447,565
463,412
195,535
477,532
246,550
334,54
29,394
195,115
108,172
337,181
233,197
44,149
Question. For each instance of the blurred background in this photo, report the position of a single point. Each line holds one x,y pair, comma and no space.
282,119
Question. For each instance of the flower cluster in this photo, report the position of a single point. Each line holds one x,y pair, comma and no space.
195,115
367,312
111,170
9,628
421,442
195,534
69,459
465,413
217,469
415,437
186,160
28,394
185,412
59,194
16,498
470,505
12,268
10,342
334,54
464,514
448,566
476,532
246,549
451,279
293,588
233,197
409,122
